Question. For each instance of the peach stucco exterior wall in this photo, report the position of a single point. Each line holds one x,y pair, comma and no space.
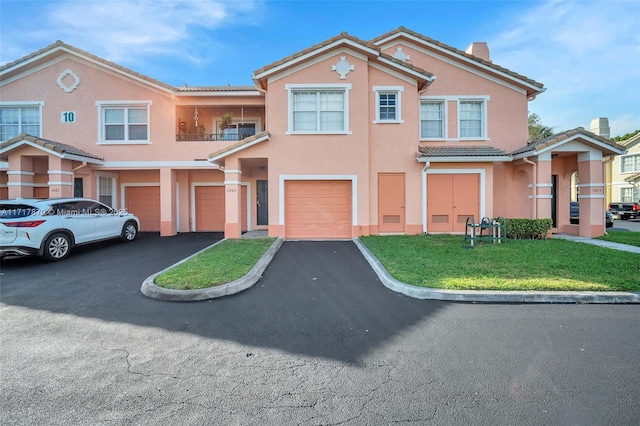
507,107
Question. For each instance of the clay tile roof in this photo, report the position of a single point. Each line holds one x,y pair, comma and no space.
341,36
458,52
240,145
187,88
461,151
58,147
559,137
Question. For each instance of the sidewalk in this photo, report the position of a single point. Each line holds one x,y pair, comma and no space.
601,243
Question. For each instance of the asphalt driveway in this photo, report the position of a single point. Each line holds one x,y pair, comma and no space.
317,341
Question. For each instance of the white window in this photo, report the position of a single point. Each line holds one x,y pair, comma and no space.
630,164
630,195
106,190
388,104
472,119
432,120
318,109
124,123
20,118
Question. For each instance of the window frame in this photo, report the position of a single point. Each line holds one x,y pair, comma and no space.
444,119
317,88
387,90
636,163
483,119
112,180
20,105
635,194
125,105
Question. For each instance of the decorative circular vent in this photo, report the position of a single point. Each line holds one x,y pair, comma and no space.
63,75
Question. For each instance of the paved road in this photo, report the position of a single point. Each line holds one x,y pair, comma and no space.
317,341
628,225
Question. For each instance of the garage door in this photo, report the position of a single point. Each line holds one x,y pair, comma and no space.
210,208
451,198
144,202
318,209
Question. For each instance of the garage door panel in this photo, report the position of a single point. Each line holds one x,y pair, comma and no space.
210,212
144,202
210,208
318,209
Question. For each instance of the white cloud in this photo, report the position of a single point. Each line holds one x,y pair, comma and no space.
586,53
123,30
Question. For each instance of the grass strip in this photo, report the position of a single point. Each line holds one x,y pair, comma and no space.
221,264
623,237
442,261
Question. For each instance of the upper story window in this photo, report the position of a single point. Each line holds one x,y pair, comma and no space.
124,122
318,109
472,119
630,164
388,104
20,118
432,120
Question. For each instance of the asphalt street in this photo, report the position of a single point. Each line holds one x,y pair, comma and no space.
317,341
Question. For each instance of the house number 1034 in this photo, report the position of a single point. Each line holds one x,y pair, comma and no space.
68,117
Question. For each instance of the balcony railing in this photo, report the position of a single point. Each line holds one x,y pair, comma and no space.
211,137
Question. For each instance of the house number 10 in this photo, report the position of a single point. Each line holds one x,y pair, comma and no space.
68,117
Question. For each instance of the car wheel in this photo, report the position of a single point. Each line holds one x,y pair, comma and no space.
129,231
57,247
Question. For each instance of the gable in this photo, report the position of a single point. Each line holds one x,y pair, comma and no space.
342,44
59,52
426,52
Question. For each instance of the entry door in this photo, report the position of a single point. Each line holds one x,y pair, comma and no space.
391,216
262,202
78,187
451,198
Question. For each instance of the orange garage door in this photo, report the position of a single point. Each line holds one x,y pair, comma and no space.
144,202
210,208
318,209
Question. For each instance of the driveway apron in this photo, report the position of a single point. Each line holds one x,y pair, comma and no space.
317,293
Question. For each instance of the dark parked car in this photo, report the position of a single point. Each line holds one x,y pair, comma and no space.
574,215
625,210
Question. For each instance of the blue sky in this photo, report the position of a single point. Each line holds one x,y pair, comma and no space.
587,53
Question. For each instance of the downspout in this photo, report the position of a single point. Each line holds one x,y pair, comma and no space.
84,163
424,196
534,190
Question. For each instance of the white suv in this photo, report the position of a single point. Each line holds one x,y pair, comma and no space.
50,228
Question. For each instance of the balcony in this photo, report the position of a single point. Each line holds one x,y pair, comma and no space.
212,137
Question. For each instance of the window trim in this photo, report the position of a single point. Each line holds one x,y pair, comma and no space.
113,178
291,88
636,160
445,118
397,90
483,125
102,105
25,104
634,191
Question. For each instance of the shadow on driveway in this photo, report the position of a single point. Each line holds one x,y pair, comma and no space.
316,298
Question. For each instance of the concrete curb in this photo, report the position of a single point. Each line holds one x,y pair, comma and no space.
488,296
150,289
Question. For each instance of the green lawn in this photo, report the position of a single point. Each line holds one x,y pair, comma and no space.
223,263
624,237
442,261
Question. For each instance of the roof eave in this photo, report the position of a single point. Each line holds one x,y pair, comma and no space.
466,159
